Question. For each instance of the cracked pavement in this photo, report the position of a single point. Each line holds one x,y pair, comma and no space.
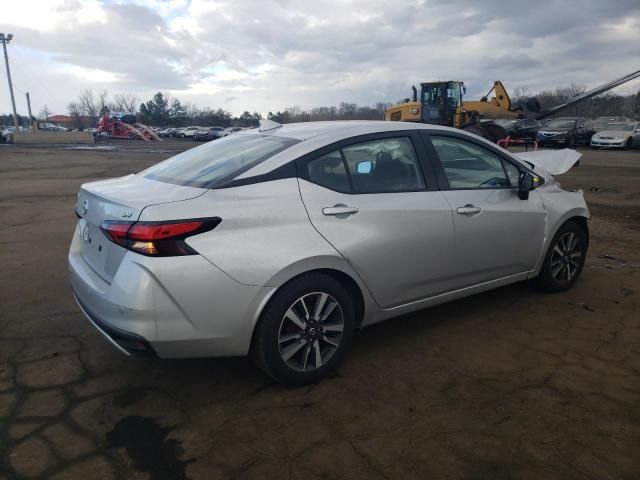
512,383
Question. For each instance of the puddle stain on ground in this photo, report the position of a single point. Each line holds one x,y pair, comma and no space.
146,443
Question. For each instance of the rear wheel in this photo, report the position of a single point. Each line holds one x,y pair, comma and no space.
305,330
565,258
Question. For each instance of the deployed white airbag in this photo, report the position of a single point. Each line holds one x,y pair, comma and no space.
556,162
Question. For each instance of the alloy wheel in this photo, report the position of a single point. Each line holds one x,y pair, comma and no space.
310,331
566,257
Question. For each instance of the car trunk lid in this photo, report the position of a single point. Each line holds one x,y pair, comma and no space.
121,199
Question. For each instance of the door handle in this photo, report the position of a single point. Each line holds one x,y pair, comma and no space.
340,210
468,209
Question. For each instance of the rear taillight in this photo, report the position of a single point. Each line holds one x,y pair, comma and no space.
157,239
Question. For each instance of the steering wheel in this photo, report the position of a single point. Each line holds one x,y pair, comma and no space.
494,182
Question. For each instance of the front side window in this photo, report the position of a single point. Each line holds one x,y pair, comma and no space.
216,163
377,166
470,166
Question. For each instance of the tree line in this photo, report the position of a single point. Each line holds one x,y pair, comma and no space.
162,110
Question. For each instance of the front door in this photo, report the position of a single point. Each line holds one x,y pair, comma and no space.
496,233
370,201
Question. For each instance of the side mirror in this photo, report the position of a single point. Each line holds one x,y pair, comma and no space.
365,167
526,183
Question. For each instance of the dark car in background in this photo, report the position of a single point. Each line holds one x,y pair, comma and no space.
566,131
208,133
525,128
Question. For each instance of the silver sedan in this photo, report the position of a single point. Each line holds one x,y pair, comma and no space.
282,241
617,135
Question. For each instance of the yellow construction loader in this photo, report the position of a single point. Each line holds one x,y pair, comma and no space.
441,103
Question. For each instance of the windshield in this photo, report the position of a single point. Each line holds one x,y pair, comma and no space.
216,163
622,127
562,124
505,122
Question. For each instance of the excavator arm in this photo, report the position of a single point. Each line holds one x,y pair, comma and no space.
591,93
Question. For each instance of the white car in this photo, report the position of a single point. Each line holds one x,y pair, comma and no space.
617,135
187,132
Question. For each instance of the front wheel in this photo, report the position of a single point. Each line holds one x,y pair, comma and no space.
629,144
570,142
565,258
305,330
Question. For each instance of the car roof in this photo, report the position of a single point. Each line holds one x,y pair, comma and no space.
341,128
315,135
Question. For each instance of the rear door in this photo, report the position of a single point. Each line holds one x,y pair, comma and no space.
496,233
370,199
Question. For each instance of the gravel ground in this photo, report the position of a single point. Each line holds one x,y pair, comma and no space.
507,384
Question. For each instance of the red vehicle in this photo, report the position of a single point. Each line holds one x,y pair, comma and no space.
124,130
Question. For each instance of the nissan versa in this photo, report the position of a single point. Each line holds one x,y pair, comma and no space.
281,241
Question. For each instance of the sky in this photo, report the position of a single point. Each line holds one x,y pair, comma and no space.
266,55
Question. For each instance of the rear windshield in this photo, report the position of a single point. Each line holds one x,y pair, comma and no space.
218,162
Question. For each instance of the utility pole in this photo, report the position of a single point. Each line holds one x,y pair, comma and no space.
29,108
4,40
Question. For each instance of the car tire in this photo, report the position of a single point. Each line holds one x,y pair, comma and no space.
570,142
291,332
565,258
629,144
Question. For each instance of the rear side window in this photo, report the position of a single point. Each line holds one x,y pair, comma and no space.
377,166
217,163
329,172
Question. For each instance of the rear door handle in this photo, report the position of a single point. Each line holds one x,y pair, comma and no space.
340,210
468,209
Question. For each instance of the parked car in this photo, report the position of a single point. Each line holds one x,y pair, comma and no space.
601,123
187,132
566,131
282,241
208,133
6,135
55,128
230,130
167,132
618,135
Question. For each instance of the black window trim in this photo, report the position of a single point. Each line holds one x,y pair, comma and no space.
418,145
443,181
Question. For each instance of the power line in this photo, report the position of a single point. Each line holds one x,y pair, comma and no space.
32,76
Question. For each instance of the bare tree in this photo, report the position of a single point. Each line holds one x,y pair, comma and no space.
520,93
125,102
44,114
88,105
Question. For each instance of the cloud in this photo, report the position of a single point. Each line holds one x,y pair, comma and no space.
269,54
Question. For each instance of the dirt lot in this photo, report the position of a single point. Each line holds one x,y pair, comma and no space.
508,384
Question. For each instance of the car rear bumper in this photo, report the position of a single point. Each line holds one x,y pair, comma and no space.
173,307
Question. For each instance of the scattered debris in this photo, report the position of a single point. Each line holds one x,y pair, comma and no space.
627,291
587,307
611,257
595,189
502,420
